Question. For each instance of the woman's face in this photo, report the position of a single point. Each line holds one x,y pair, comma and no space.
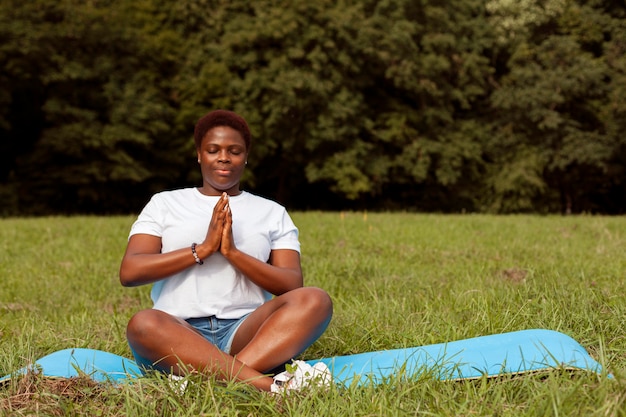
222,156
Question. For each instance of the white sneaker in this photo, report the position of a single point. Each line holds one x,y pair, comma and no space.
177,383
300,374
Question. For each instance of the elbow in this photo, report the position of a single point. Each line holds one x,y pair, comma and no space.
128,282
294,283
127,278
125,281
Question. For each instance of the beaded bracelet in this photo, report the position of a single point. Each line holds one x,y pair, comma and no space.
195,255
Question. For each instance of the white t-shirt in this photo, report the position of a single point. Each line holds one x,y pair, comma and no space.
181,217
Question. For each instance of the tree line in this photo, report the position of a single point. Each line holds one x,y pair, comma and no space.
492,106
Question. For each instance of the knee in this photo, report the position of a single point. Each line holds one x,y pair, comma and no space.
315,300
143,323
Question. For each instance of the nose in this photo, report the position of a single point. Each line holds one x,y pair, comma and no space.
223,156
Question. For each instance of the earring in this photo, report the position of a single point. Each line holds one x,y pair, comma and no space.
198,161
246,162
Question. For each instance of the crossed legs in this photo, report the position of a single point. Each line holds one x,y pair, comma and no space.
271,335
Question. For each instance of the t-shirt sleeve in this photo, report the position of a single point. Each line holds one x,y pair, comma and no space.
285,235
150,220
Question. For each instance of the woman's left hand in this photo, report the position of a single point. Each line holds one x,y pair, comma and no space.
228,242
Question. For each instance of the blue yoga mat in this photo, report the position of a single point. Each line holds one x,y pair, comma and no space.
99,365
493,355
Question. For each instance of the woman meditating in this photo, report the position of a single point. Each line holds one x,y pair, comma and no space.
225,270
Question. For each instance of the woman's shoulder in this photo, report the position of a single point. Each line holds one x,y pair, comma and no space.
260,201
165,200
175,194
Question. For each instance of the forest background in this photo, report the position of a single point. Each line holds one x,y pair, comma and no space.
493,106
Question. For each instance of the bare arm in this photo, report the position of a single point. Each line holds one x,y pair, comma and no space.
143,262
280,274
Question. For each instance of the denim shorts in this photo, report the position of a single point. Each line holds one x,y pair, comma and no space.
219,332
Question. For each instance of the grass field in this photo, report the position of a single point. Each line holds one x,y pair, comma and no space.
397,280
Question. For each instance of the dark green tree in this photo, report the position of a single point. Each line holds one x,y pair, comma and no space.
88,114
551,146
433,105
610,194
358,98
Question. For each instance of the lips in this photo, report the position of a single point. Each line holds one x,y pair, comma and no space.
222,172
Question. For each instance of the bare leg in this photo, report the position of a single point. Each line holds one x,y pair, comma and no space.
282,328
170,342
270,336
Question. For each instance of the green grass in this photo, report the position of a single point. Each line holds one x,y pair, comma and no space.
397,280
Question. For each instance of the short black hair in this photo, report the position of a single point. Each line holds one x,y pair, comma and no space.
217,118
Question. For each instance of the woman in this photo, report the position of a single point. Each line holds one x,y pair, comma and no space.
215,256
